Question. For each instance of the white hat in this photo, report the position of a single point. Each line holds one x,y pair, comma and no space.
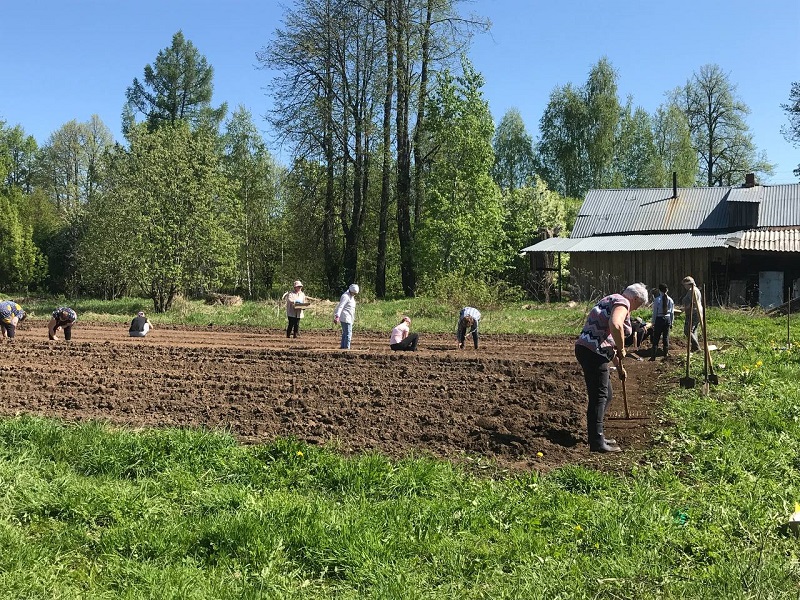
353,289
298,283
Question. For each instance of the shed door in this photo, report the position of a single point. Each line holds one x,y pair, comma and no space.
770,288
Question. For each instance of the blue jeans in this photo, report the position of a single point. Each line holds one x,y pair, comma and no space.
347,335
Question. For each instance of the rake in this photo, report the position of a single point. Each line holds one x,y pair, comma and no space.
626,416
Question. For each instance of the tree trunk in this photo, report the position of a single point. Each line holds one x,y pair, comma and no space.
383,218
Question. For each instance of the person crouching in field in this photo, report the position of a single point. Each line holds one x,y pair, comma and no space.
63,318
468,320
11,315
402,339
140,326
601,341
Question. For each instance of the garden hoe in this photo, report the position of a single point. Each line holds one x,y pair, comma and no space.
688,382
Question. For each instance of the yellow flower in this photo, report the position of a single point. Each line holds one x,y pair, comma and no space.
539,454
299,453
759,363
578,528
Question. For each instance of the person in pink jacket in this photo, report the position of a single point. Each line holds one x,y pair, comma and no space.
402,338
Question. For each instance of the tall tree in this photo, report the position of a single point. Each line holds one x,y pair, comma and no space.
514,162
637,163
673,141
792,131
18,152
720,134
177,87
579,130
172,189
461,227
255,212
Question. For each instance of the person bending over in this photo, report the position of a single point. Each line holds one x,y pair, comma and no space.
468,320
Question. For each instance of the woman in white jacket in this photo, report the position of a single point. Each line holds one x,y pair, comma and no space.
345,314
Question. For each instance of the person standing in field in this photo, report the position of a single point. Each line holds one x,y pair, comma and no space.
11,315
295,300
468,320
693,318
345,314
602,340
63,318
402,339
663,315
140,326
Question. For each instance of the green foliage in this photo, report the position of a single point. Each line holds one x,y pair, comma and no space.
514,161
791,131
673,141
461,228
177,87
21,263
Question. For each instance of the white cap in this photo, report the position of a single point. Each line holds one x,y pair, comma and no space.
353,289
298,283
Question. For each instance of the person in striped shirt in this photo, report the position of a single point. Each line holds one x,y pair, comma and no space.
602,340
62,318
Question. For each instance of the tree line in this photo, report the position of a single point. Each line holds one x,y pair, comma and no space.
398,178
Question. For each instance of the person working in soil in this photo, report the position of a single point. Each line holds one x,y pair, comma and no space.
468,320
640,331
63,318
140,326
696,314
295,301
602,340
402,339
345,314
663,315
11,315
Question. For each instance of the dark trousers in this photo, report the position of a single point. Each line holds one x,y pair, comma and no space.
461,334
294,326
10,329
598,387
67,331
408,343
695,322
660,328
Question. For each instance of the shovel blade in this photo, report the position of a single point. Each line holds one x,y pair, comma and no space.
713,379
687,382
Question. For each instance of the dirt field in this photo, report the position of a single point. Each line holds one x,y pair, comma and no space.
516,397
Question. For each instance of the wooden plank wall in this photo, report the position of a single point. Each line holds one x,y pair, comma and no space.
595,274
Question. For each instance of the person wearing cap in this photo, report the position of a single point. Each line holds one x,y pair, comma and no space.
602,341
11,315
402,339
295,300
140,325
345,314
696,314
468,320
63,318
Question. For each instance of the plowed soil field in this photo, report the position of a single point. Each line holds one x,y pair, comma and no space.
516,397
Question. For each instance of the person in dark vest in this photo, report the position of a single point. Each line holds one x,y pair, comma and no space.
663,316
140,325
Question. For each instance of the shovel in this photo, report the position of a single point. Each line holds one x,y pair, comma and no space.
624,392
688,382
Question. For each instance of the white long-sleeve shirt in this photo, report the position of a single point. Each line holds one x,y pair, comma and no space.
346,309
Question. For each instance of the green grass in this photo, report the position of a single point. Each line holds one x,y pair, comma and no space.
92,512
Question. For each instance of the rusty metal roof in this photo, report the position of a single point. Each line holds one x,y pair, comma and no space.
771,240
701,209
633,243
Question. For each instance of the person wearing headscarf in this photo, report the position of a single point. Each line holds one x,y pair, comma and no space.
345,314
401,338
140,326
602,340
11,315
62,318
696,314
295,301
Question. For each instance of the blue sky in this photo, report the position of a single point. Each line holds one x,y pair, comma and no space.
64,60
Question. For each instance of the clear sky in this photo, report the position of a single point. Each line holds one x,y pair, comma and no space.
64,60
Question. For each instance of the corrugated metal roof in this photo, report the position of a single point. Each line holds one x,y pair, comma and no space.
775,240
651,209
633,243
608,212
780,206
